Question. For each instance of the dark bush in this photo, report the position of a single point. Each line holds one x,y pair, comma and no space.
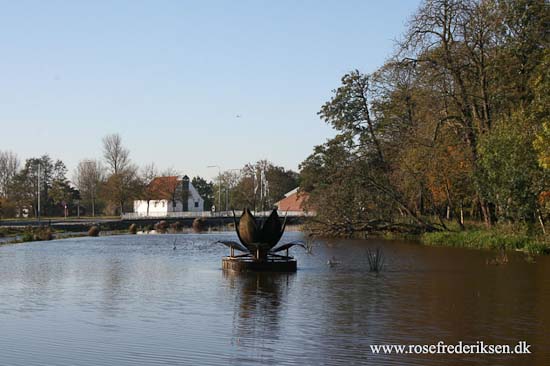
176,226
199,225
27,236
161,226
36,234
94,231
43,234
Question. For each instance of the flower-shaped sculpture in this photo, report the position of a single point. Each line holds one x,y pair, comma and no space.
258,240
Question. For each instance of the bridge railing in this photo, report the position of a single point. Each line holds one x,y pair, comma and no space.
207,214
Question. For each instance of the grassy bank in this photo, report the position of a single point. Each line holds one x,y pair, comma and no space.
488,239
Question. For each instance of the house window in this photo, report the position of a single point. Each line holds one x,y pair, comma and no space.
155,203
196,204
163,203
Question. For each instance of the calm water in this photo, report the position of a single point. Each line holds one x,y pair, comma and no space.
133,300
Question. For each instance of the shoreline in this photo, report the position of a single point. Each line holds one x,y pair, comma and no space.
474,238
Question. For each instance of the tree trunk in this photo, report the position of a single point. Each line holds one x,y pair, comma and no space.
93,207
486,211
541,222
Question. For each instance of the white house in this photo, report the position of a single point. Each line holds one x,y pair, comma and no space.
169,194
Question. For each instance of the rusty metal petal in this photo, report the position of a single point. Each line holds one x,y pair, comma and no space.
248,229
272,230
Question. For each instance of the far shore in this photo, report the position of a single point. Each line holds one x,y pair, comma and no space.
15,231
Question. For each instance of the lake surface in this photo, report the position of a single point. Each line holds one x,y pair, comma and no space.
133,300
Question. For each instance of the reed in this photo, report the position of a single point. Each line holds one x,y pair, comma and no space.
375,259
309,246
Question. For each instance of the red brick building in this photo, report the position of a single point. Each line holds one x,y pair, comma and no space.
293,201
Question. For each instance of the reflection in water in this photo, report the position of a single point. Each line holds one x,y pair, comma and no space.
131,300
258,301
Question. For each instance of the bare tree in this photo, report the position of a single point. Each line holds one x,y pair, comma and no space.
116,156
88,177
148,173
9,165
121,183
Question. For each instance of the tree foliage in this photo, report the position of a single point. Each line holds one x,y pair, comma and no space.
452,125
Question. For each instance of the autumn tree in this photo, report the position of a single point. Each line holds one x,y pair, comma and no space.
447,123
147,191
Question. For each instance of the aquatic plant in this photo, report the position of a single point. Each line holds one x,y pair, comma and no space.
500,258
333,262
308,245
259,240
375,260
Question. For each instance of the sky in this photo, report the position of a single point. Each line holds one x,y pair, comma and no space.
187,84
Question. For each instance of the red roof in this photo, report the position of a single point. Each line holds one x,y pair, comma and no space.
163,187
294,201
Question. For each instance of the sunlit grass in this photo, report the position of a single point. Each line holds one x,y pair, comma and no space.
487,239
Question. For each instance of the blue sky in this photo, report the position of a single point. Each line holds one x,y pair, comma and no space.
171,76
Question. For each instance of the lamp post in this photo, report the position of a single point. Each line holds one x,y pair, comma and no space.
38,192
219,185
227,190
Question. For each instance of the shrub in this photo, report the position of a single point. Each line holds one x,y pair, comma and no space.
199,225
27,236
43,234
36,234
176,226
161,226
94,231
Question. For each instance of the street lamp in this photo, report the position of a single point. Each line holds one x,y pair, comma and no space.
38,192
227,190
219,185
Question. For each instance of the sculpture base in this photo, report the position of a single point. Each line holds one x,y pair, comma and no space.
250,265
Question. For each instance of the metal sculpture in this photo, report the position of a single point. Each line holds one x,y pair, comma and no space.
258,242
